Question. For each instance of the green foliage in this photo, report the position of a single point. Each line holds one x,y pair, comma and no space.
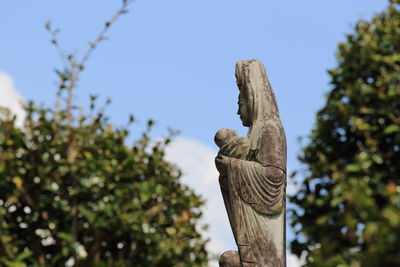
79,191
349,202
72,192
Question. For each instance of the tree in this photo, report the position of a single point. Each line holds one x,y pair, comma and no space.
348,203
72,192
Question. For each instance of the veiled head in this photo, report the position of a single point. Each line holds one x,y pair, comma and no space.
256,98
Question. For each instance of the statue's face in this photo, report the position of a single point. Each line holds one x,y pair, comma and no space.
243,110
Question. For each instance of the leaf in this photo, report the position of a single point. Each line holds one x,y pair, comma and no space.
18,182
391,129
25,254
353,168
67,237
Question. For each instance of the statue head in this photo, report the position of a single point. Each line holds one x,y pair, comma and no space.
224,136
229,258
256,98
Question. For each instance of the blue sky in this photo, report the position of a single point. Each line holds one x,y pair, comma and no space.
173,61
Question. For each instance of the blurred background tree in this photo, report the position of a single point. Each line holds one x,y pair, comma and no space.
73,193
348,205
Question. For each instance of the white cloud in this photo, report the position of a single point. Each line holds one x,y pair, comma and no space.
197,163
10,98
292,260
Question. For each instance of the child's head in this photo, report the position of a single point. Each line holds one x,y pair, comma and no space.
224,136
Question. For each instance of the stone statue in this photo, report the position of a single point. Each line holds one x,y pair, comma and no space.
253,174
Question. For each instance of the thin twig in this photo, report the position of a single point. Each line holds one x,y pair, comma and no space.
54,41
101,35
77,67
72,70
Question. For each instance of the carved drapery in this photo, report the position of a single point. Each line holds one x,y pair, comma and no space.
253,174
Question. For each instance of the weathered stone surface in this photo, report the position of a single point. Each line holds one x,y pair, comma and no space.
253,174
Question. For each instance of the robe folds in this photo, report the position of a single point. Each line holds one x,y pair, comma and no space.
254,196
